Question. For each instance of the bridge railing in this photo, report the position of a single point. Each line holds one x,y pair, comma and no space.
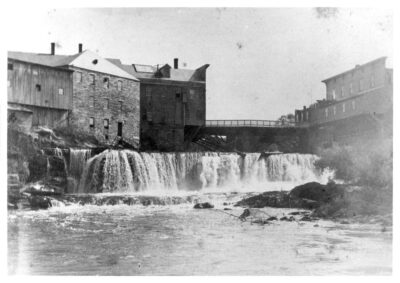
250,123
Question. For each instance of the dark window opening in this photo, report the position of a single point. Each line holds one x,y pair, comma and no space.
38,87
119,129
106,82
178,95
106,137
10,66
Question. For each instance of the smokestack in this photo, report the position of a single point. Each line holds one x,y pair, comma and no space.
175,63
80,48
53,48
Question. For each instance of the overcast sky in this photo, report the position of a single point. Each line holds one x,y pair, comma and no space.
263,62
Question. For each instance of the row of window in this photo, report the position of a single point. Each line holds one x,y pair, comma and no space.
351,87
106,125
343,108
92,103
92,81
178,94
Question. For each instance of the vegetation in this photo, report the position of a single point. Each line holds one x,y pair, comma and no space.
369,164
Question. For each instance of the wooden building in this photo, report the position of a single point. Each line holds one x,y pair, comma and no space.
45,91
82,90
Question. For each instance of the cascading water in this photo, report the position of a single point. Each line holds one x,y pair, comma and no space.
128,171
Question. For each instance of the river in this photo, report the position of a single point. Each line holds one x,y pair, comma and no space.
179,240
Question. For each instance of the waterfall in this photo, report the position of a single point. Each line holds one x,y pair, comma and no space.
125,171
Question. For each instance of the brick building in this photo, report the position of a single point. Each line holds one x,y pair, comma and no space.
172,104
96,96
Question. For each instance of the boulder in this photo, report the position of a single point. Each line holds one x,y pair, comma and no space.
317,192
39,202
203,205
41,189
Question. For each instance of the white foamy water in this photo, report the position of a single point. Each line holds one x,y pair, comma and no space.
130,171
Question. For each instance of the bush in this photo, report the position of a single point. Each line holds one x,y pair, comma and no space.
369,164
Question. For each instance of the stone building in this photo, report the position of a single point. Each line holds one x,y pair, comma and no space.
172,104
96,96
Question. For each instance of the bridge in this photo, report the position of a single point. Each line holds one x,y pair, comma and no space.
247,135
250,123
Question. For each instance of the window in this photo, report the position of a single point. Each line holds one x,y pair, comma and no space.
78,76
344,107
91,122
326,112
306,115
106,137
333,94
38,87
149,116
334,110
8,83
372,83
10,66
106,83
61,91
91,101
106,124
121,103
119,85
351,88
353,104
192,94
35,72
148,91
342,91
360,85
92,79
178,93
107,103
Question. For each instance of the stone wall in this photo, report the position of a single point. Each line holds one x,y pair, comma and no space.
102,101
166,107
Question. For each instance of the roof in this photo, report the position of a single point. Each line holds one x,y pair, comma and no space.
142,71
85,60
357,67
18,108
43,59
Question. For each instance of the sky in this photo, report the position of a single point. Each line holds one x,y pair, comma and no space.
264,62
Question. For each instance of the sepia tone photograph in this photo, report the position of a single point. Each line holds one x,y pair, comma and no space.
195,141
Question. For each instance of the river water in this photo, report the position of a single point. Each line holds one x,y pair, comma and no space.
179,240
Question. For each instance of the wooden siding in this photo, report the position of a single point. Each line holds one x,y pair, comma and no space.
24,77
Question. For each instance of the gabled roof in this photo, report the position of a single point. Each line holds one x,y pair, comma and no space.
86,60
142,71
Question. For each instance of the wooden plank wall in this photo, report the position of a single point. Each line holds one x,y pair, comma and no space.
23,80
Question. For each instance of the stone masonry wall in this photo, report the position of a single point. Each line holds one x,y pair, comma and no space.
106,103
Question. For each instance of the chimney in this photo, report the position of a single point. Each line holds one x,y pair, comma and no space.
175,63
80,47
53,48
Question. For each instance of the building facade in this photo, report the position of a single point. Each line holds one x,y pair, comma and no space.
172,104
365,89
84,90
358,104
44,91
